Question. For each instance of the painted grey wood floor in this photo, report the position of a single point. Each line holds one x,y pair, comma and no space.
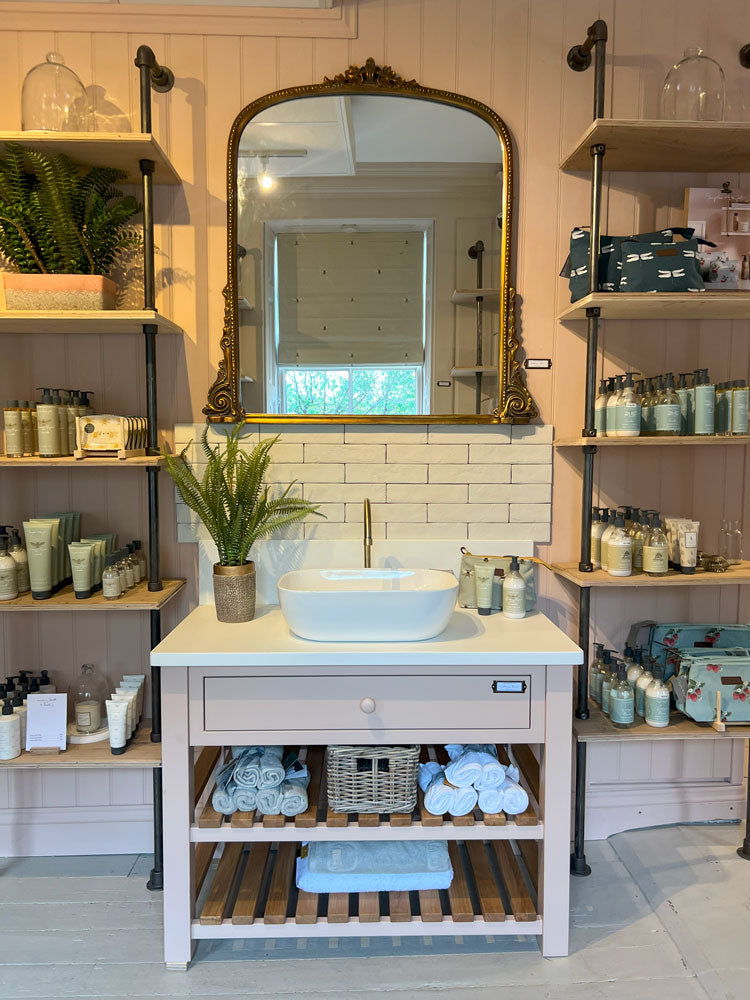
663,917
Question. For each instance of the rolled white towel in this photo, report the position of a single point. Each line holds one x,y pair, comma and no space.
245,799
440,796
247,770
474,764
294,796
269,801
491,800
515,798
271,768
493,774
464,801
223,796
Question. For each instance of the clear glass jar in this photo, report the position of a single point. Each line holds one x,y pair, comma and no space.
133,563
141,557
693,89
53,99
111,586
86,695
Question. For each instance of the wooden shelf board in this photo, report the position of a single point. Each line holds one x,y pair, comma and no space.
598,729
734,575
704,147
141,753
84,321
140,598
123,150
68,462
462,296
654,442
474,370
244,303
661,305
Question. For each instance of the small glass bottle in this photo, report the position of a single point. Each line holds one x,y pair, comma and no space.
621,701
607,681
141,557
657,700
133,563
87,694
656,550
636,668
595,673
125,571
111,585
640,690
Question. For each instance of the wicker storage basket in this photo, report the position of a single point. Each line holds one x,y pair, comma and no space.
365,779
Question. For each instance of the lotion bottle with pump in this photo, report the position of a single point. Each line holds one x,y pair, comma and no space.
619,550
705,403
668,409
21,558
656,550
685,395
13,429
628,409
613,403
656,700
640,690
62,421
607,681
608,516
27,429
600,409
19,709
514,591
621,701
48,426
8,572
636,534
10,732
45,684
595,673
653,399
636,668
739,397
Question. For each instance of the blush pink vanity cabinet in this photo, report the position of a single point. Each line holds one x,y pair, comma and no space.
482,680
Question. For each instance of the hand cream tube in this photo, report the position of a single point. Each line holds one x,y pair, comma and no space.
39,548
130,694
56,541
82,564
483,574
670,529
125,700
117,712
137,681
99,549
688,534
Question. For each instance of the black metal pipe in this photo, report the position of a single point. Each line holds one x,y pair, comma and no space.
579,57
155,680
149,287
152,75
156,879
578,864
584,616
744,851
475,252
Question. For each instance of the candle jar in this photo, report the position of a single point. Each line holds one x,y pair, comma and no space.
86,696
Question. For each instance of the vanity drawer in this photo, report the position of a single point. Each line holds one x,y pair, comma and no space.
232,703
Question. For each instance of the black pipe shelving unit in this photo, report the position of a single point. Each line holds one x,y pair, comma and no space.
579,59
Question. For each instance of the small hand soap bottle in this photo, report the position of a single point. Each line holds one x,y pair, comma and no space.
608,680
595,673
514,592
45,684
657,700
635,669
8,572
10,732
640,690
621,701
483,575
21,559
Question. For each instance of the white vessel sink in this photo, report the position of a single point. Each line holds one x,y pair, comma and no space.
367,605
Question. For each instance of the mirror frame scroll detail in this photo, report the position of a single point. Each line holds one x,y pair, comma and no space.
515,404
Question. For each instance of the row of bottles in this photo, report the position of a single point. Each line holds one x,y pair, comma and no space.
624,687
656,407
13,695
627,541
58,555
46,429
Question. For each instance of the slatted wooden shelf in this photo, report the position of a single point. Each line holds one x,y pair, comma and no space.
661,305
141,753
251,892
598,729
68,462
84,321
653,442
140,598
319,822
599,578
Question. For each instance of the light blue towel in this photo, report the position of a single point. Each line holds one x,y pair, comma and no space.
271,768
491,800
441,797
223,797
374,866
294,795
269,801
247,769
245,799
515,798
474,764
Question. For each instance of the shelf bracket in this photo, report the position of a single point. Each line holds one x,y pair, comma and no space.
745,56
579,59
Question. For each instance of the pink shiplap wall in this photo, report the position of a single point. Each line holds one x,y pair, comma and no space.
507,53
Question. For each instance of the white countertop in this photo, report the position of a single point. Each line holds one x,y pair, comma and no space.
202,641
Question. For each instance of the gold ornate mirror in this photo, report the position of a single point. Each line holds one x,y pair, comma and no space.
369,234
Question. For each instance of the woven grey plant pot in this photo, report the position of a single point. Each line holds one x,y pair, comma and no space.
234,592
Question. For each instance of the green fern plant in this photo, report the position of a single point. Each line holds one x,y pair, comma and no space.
231,498
59,218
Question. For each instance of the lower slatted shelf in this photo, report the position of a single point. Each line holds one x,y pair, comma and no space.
320,822
250,891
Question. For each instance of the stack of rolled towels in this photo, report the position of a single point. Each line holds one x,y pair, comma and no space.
473,777
261,779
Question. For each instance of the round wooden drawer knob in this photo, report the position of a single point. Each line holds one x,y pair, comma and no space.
367,705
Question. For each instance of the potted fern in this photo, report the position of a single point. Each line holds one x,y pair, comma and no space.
235,505
62,228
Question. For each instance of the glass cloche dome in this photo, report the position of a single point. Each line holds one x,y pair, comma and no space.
694,89
53,98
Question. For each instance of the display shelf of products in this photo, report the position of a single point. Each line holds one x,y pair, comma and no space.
141,753
599,578
140,598
90,462
661,305
122,150
654,442
598,729
85,321
674,146
488,878
468,296
474,370
319,822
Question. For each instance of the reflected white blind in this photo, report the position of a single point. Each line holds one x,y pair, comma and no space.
350,298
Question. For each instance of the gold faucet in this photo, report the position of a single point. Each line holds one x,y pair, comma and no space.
368,533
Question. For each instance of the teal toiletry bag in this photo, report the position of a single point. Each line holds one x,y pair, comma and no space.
467,592
668,642
706,681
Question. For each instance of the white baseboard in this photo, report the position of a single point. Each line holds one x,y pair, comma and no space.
49,832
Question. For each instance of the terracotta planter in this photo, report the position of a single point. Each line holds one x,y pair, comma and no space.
234,592
58,291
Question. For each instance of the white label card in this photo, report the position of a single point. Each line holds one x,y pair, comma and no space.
46,721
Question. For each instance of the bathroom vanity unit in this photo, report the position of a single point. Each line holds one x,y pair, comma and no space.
484,679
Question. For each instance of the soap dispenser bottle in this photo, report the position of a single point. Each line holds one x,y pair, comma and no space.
635,669
610,677
19,710
656,700
48,427
514,592
621,701
45,684
595,673
640,689
600,410
636,534
13,429
705,403
653,400
608,516
685,396
613,403
739,396
668,414
21,559
619,550
628,409
656,550
62,421
597,527
10,732
8,572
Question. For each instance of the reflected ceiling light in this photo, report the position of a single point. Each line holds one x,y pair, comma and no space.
265,180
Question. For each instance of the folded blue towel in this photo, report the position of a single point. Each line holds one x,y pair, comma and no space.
374,866
223,797
515,798
271,768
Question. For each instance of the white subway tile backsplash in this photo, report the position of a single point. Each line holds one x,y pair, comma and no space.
521,454
526,433
530,512
345,530
282,452
283,473
345,492
305,433
461,434
384,434
432,493
531,474
344,453
332,512
386,473
399,529
470,512
513,532
485,473
457,453
503,493
383,512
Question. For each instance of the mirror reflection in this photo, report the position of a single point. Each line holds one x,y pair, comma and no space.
366,227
